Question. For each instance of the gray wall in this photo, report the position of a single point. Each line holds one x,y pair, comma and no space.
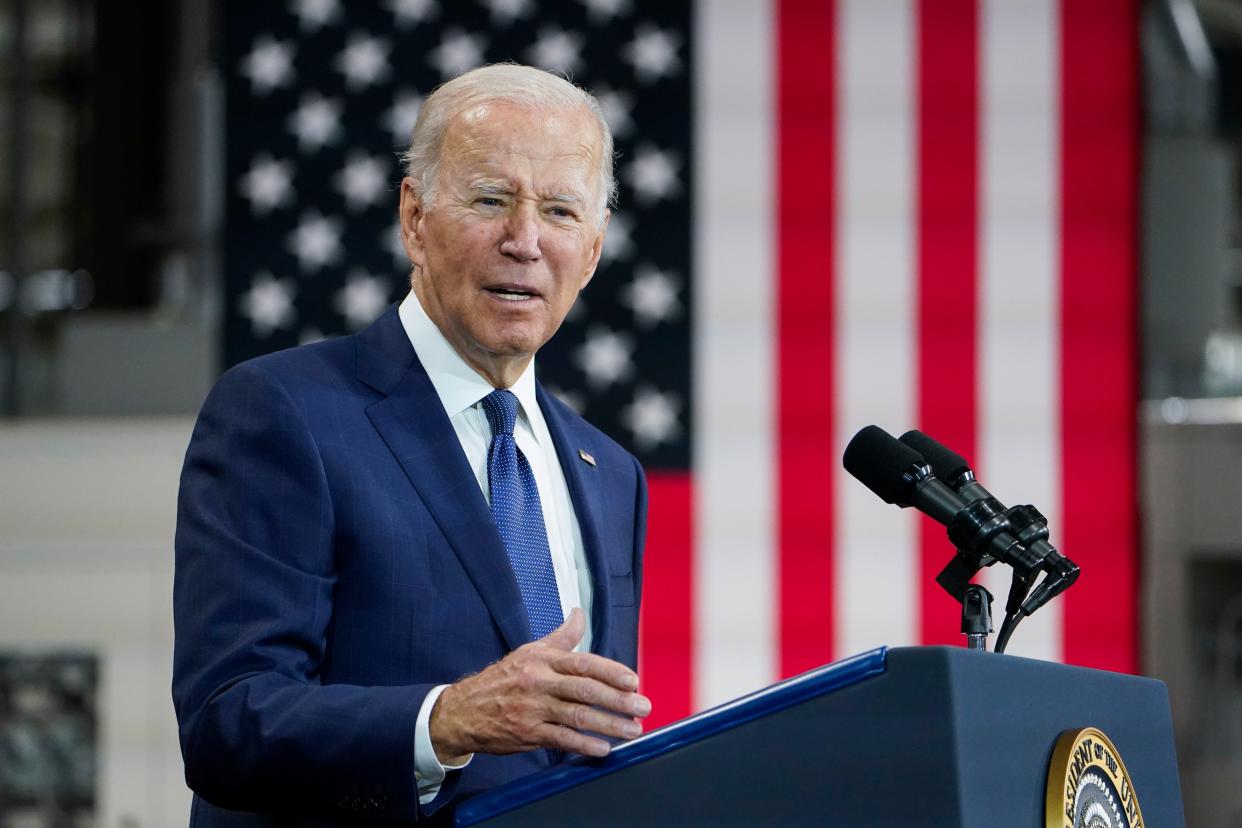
87,511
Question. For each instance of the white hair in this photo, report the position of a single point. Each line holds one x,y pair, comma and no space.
507,82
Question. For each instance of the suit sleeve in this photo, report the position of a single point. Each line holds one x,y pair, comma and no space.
253,595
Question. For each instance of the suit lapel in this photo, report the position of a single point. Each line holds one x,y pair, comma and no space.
585,491
414,425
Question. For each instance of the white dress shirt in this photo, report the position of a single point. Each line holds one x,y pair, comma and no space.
461,390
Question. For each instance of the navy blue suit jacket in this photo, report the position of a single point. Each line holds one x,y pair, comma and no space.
335,560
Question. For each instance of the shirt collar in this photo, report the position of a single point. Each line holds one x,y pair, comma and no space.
457,384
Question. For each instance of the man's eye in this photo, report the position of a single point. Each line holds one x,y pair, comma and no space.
561,212
488,201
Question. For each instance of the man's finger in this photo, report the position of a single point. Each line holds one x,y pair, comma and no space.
582,717
570,740
590,665
590,691
568,634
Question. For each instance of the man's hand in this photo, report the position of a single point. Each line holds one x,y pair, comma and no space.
541,695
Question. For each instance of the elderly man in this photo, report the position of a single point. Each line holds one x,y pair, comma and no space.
404,572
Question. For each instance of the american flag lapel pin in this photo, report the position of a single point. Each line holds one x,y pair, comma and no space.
585,456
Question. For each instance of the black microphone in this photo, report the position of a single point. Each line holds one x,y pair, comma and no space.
900,475
1030,527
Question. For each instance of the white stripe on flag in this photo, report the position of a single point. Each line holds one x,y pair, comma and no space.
1019,438
876,593
735,556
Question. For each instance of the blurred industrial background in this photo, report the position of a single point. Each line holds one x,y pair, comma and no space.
129,247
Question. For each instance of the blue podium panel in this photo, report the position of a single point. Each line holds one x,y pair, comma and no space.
567,779
930,736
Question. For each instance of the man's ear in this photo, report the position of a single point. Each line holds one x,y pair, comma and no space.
411,216
597,250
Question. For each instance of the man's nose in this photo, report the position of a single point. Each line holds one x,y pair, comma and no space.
522,234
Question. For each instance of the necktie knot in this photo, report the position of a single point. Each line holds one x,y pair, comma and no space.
501,406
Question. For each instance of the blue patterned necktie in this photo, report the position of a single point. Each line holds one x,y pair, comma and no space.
519,516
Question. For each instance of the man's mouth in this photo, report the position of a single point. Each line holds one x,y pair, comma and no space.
512,294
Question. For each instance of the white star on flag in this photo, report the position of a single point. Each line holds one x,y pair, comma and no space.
268,184
458,52
556,50
653,174
362,179
618,243
316,241
269,65
316,122
314,14
652,295
616,106
653,53
268,304
605,357
363,61
601,11
504,12
409,12
402,115
362,299
652,418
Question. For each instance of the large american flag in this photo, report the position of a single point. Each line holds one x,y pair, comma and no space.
916,213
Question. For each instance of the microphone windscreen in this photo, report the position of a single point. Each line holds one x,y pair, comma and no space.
879,460
945,463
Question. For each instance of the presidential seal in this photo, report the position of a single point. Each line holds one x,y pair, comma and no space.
1088,784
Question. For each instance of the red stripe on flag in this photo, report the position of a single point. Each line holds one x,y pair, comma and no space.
665,628
947,266
805,191
1099,146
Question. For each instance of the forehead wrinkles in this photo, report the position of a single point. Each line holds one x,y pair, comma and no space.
501,142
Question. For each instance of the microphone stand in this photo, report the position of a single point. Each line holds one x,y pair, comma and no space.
1030,557
976,617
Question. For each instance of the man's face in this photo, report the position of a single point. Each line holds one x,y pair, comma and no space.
512,235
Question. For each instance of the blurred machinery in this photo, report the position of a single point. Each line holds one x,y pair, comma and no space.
1191,425
1192,592
108,206
48,723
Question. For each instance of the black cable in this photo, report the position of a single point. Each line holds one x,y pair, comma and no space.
1006,630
